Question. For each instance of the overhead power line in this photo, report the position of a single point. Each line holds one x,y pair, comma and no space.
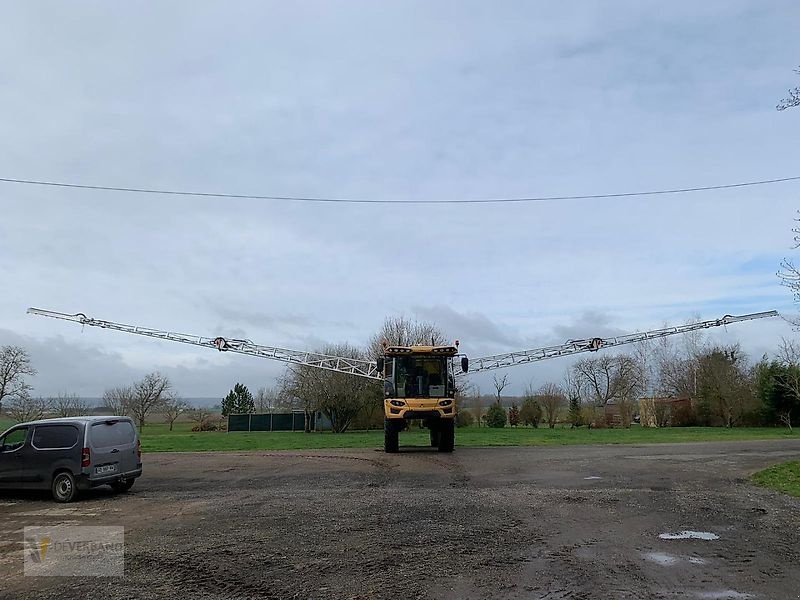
138,190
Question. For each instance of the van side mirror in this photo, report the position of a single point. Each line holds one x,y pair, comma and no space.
464,364
379,364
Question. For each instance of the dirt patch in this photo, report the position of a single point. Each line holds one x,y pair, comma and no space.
577,522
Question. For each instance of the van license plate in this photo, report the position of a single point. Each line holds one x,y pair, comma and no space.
105,469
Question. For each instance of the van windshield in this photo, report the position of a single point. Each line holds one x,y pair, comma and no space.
112,433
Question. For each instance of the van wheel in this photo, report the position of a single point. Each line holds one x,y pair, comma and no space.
64,488
122,486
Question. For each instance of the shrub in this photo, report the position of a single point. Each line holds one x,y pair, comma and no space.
513,415
575,412
683,416
594,416
464,418
531,412
496,416
206,426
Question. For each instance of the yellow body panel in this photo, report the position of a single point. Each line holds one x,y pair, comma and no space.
418,404
432,350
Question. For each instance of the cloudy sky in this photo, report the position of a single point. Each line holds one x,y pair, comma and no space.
398,101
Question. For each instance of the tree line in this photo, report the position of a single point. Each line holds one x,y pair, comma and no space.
681,382
718,386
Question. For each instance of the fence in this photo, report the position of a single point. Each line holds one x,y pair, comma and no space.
288,421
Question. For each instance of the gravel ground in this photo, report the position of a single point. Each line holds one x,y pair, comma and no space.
569,522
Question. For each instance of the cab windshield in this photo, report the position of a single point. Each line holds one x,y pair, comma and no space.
420,377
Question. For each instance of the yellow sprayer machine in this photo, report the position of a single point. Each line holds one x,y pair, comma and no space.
419,382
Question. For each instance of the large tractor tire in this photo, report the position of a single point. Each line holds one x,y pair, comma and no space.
391,435
447,435
434,436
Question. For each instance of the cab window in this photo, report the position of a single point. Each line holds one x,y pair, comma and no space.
421,377
14,440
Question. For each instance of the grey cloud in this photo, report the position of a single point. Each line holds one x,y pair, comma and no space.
589,324
64,366
473,327
257,318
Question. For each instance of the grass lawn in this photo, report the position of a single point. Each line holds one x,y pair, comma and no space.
784,477
156,437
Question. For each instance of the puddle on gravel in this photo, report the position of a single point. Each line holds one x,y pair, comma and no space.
689,535
662,558
723,595
670,560
592,477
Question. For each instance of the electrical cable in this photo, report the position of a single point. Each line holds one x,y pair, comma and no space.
139,190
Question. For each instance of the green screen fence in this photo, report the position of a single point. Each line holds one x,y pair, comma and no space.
286,421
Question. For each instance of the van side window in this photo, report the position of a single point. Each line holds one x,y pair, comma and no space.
111,433
49,437
14,440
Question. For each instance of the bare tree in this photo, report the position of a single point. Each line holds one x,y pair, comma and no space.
400,331
174,407
609,377
789,357
676,369
789,273
148,395
67,405
268,399
339,396
298,385
23,407
552,399
499,385
643,353
477,403
793,99
15,364
118,400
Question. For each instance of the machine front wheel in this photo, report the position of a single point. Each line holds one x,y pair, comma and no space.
434,437
447,435
391,435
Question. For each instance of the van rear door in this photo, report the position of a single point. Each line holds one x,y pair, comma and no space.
112,444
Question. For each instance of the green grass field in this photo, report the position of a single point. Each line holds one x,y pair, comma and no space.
156,437
784,477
